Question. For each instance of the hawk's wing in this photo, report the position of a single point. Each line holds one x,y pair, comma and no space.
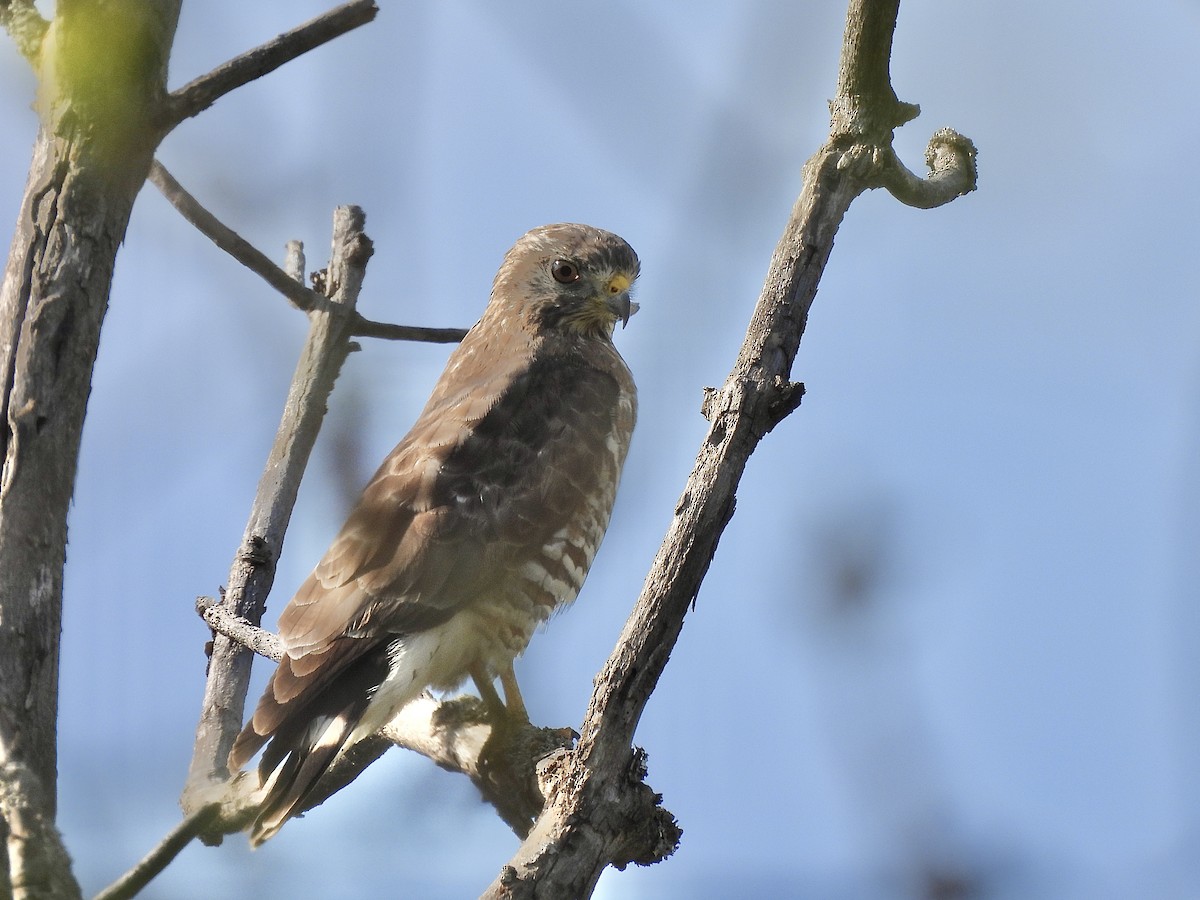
492,470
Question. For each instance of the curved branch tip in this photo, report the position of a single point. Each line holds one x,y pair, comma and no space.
953,171
949,150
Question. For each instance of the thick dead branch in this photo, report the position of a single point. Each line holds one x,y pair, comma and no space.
37,863
293,260
253,570
865,104
458,735
201,93
103,108
593,817
952,172
100,73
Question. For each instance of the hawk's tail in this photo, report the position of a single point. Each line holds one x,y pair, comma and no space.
294,779
306,732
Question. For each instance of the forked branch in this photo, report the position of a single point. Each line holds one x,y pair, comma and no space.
288,284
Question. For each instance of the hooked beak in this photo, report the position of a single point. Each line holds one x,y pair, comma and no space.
622,307
618,298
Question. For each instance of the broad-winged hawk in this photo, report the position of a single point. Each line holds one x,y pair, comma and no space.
479,524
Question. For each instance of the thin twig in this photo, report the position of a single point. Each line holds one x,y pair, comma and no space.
364,327
199,94
193,825
231,242
222,621
256,261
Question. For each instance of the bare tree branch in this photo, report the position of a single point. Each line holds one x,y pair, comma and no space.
865,104
364,327
36,860
952,172
90,158
501,758
193,825
293,262
285,282
103,108
586,822
253,638
253,569
201,93
303,298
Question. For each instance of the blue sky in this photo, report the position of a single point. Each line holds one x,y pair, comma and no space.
1001,431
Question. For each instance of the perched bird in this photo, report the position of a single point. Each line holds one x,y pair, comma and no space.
481,522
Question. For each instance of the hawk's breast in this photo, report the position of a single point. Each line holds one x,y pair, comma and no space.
569,427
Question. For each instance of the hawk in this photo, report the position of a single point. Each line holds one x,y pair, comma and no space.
481,522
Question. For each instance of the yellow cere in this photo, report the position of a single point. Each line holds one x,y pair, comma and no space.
618,283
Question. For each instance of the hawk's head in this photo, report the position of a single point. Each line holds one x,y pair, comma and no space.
572,278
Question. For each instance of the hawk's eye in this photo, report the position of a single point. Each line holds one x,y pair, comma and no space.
564,271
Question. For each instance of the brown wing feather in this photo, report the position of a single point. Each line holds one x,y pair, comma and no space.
399,541
436,519
459,499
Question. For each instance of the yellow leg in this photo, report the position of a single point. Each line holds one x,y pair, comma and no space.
512,694
487,693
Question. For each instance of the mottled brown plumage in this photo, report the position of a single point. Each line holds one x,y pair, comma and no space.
479,524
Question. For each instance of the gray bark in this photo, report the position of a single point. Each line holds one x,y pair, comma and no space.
91,156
